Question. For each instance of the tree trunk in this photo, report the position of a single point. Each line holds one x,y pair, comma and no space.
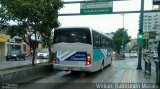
34,57
50,54
35,45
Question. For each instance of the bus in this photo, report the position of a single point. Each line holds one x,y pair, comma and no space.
81,49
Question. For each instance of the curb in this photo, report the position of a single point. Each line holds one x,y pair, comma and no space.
24,74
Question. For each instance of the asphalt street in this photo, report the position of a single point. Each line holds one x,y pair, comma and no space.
121,71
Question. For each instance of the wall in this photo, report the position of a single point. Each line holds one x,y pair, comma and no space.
2,49
21,75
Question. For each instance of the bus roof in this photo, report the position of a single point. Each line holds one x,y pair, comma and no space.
102,33
90,28
72,27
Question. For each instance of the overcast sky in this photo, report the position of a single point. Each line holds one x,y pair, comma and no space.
109,22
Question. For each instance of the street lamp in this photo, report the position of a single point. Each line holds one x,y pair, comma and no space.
123,20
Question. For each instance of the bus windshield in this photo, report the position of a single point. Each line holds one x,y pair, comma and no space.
72,35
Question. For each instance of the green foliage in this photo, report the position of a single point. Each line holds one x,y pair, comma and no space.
120,39
31,17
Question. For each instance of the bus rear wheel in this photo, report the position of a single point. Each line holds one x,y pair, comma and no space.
17,58
111,62
102,65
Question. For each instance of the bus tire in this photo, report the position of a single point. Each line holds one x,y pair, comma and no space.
24,58
17,58
111,62
102,65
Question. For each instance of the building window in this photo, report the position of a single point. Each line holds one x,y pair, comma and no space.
155,42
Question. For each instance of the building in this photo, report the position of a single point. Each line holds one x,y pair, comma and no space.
3,41
15,43
8,44
132,45
151,24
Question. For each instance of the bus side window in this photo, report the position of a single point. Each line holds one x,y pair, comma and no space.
94,40
97,40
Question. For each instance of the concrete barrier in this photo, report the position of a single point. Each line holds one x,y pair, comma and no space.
147,68
22,75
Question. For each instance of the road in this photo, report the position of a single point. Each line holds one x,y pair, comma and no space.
121,71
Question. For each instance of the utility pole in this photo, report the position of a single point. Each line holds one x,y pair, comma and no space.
123,38
123,20
140,37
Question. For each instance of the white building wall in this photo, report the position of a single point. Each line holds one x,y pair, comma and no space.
152,23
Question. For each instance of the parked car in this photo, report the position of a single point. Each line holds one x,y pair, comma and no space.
133,54
17,54
43,54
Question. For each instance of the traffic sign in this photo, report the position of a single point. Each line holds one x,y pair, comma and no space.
152,35
145,35
96,7
156,2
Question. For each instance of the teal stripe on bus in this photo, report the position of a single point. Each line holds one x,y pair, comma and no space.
98,54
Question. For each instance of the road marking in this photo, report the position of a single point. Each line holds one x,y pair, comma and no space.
127,77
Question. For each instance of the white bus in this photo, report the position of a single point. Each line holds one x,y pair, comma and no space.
81,49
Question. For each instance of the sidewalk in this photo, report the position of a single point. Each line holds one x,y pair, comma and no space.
2,59
127,72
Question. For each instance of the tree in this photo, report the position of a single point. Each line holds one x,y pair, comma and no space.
120,39
48,39
32,17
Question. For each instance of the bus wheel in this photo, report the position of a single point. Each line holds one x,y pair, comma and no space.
17,58
102,65
111,62
24,58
